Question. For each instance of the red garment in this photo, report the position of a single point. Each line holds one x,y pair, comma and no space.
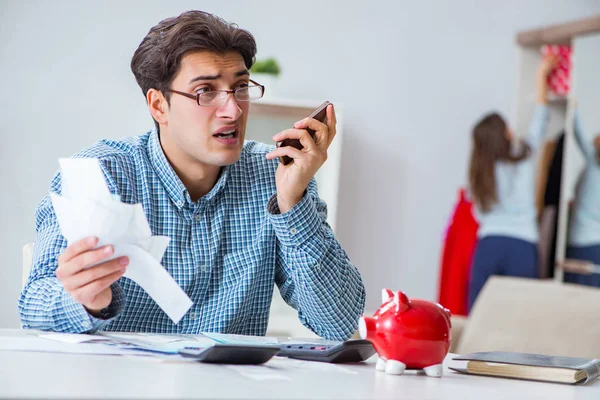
459,245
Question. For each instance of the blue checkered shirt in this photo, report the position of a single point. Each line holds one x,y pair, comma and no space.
226,252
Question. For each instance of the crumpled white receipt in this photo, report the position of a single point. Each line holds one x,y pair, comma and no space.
87,208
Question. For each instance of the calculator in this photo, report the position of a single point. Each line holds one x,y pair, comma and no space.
343,352
231,353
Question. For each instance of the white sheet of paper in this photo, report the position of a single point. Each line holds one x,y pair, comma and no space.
156,246
259,372
53,346
88,209
83,173
309,366
80,219
156,339
111,336
161,345
156,281
70,337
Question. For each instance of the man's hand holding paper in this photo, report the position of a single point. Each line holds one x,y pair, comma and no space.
108,239
90,287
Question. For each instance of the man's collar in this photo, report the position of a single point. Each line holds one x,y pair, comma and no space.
169,178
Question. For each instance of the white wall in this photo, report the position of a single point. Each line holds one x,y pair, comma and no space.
413,77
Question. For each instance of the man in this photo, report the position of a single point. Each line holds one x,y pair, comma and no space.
238,219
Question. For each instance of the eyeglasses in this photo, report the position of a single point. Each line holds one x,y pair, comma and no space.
216,98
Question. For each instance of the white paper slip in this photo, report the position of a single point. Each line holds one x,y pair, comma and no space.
80,219
155,280
149,338
37,344
87,208
70,337
309,366
124,343
83,173
259,372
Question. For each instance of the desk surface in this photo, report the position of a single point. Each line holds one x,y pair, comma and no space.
48,375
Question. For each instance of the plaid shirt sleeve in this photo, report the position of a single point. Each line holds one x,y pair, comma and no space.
313,272
44,304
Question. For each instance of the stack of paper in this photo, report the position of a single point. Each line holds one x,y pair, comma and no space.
132,342
87,208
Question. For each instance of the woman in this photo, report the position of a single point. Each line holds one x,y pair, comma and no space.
501,180
584,225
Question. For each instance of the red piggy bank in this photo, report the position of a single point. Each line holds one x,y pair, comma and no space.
408,334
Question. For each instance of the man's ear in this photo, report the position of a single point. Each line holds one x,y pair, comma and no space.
157,105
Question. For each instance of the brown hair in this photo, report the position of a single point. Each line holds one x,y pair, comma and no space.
490,144
156,61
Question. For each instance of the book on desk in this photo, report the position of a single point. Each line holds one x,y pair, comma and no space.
527,366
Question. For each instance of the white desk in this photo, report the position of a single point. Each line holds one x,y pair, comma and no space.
47,375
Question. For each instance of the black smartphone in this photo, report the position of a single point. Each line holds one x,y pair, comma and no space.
231,353
319,114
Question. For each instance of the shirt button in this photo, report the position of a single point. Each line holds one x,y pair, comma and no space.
203,268
293,231
198,217
193,315
179,203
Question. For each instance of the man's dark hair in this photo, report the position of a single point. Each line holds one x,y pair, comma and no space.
156,60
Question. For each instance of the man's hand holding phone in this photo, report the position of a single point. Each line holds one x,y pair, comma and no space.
292,178
90,286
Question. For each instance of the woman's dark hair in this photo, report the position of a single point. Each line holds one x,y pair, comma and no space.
490,144
156,61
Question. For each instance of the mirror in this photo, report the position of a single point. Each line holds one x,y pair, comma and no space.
578,237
